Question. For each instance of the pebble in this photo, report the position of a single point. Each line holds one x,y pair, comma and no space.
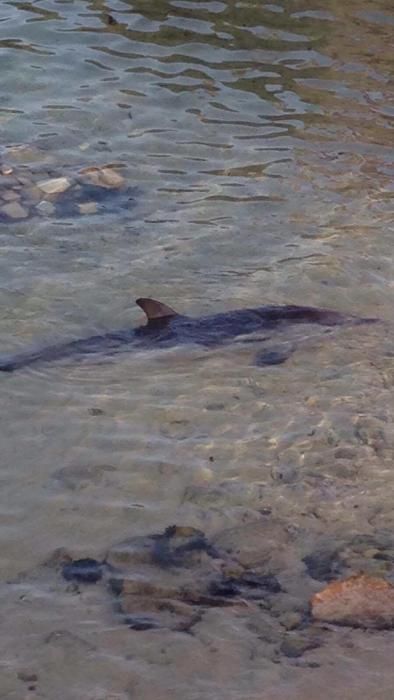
54,185
291,620
358,601
295,646
103,177
46,208
87,208
14,210
271,357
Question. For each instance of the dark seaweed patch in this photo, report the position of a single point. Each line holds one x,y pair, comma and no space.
107,199
176,546
83,571
322,566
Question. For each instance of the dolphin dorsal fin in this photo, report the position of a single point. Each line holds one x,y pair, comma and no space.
155,309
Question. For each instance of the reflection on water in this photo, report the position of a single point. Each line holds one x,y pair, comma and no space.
256,140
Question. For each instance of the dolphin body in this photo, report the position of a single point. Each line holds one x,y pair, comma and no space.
166,328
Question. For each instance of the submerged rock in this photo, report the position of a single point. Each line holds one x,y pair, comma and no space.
54,185
14,210
358,601
89,191
104,176
46,208
88,208
294,646
169,579
372,554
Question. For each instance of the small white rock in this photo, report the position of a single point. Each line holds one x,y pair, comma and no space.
54,185
88,208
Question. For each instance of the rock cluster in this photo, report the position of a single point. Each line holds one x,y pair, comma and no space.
25,192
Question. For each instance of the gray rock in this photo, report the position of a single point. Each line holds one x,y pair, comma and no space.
14,210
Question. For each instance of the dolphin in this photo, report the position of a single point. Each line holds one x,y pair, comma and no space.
166,328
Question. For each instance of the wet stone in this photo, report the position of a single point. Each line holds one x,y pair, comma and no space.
265,358
14,210
177,574
54,185
46,208
103,177
358,601
291,620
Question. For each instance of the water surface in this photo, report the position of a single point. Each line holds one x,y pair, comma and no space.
258,138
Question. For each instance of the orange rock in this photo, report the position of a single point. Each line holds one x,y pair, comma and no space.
358,601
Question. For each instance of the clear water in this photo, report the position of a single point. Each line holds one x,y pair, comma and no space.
259,138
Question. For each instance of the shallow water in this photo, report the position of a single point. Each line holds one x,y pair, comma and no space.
258,138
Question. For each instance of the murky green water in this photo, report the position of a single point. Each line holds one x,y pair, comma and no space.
257,138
